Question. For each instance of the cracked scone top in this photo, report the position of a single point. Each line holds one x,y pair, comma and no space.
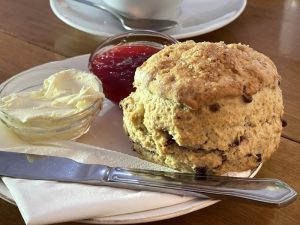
205,107
200,73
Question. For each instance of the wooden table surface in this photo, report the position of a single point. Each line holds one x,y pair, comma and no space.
30,35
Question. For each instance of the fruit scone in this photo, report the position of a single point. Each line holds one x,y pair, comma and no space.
208,108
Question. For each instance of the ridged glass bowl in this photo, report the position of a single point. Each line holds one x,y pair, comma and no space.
65,128
117,76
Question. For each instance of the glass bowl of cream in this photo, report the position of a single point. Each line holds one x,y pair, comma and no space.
50,104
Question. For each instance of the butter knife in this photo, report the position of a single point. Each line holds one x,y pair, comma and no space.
266,191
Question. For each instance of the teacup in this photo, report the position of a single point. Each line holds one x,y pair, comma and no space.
155,9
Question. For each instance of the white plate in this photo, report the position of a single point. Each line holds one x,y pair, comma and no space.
194,16
115,139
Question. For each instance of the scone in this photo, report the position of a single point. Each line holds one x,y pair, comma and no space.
208,108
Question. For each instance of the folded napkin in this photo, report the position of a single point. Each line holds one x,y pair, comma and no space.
44,202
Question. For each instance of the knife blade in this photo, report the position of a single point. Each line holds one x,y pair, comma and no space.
266,191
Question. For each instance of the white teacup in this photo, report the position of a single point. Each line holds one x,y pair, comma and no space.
156,9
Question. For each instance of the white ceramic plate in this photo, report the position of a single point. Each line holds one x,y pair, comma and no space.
115,139
195,17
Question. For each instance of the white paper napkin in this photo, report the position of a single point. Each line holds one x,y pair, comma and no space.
44,202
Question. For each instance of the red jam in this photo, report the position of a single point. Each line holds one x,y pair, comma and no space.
116,68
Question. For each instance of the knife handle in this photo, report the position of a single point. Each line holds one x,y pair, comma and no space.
271,192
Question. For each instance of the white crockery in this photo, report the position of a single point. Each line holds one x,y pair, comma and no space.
155,9
195,17
115,139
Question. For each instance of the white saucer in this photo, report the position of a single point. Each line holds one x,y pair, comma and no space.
194,16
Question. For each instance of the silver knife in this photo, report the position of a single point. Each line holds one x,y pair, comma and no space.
271,192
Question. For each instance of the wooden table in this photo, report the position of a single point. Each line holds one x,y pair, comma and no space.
30,34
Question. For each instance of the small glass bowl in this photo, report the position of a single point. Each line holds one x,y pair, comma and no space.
64,128
118,87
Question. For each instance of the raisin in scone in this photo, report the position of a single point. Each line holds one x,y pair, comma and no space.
208,108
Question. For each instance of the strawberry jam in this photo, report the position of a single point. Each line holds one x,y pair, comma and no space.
116,67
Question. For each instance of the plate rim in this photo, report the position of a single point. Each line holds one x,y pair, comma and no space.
178,35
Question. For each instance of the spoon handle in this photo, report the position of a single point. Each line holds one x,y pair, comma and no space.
102,7
271,192
134,23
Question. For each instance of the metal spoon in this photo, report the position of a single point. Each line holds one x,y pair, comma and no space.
134,24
